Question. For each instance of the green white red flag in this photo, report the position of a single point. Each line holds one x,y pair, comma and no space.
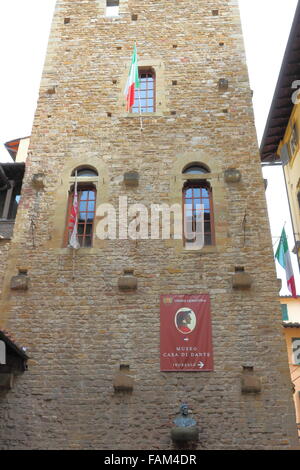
133,81
284,259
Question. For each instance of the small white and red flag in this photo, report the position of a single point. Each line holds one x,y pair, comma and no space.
133,81
73,222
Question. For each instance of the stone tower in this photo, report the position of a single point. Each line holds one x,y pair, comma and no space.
90,318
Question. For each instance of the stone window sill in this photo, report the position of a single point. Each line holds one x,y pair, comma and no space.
200,251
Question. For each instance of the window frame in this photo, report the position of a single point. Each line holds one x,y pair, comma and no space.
215,177
145,70
294,361
201,184
8,201
84,183
293,141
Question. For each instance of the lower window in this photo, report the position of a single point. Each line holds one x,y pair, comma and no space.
86,197
197,201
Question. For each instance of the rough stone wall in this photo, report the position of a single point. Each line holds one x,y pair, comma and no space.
77,325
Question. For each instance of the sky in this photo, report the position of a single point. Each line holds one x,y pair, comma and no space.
24,32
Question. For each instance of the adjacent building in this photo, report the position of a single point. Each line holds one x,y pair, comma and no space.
290,308
281,138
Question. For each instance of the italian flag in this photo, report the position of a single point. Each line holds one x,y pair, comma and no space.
283,257
133,81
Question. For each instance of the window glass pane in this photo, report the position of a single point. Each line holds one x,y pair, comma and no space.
206,226
2,202
87,241
90,216
284,312
205,202
207,239
80,228
12,212
89,229
83,195
82,208
91,206
296,350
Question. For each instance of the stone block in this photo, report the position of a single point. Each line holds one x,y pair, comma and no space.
182,435
6,381
20,281
223,84
38,181
251,383
128,281
131,179
232,175
241,280
123,382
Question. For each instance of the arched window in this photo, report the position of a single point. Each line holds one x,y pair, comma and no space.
197,205
83,182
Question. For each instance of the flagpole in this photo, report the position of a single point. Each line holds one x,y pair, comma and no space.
74,251
139,93
140,110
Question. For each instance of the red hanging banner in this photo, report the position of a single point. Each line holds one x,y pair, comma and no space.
185,333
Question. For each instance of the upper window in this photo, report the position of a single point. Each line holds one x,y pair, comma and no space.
9,200
112,8
144,98
198,207
83,183
284,312
296,351
293,142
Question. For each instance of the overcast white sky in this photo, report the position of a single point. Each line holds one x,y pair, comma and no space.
24,30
